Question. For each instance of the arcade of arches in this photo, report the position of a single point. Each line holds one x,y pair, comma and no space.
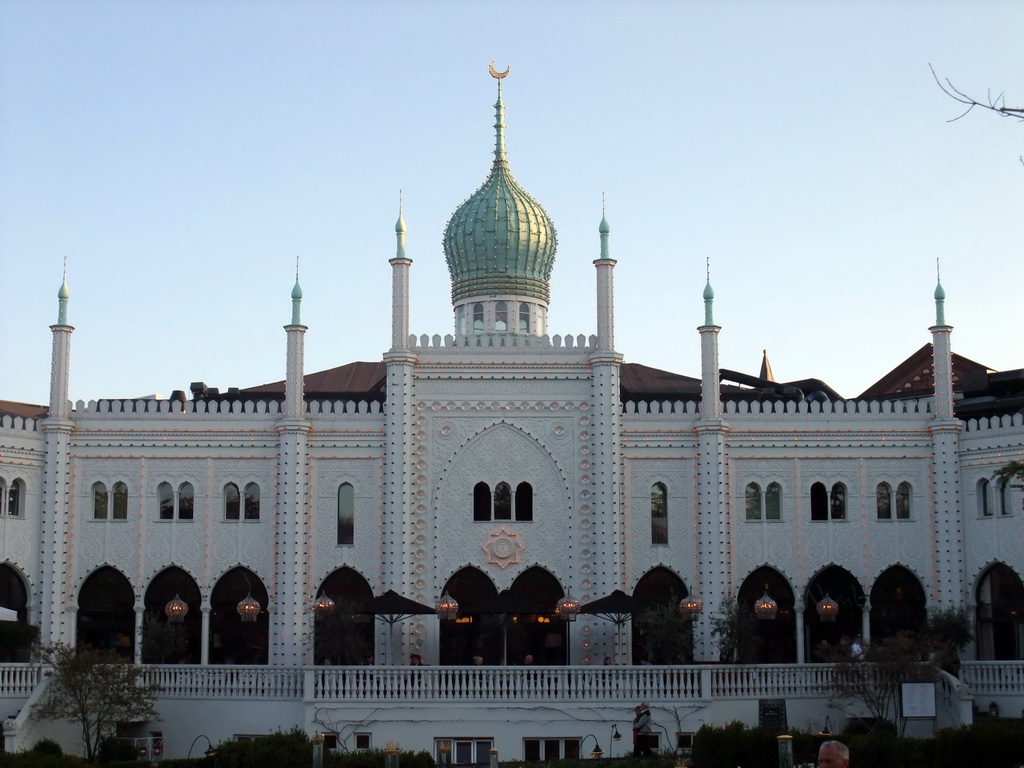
506,627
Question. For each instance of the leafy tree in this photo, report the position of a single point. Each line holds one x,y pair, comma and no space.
873,678
162,640
737,636
949,632
1012,473
668,635
95,689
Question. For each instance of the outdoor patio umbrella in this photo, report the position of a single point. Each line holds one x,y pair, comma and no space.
507,603
616,608
7,614
391,608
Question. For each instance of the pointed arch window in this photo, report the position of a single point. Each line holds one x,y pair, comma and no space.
252,502
524,502
984,508
503,501
883,501
819,502
501,317
99,501
524,318
481,502
837,502
171,505
1003,492
773,502
346,514
478,318
753,501
15,498
165,501
232,502
659,514
903,501
120,494
186,501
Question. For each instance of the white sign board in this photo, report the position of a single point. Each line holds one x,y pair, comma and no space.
917,699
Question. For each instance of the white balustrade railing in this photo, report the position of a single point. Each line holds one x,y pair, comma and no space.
226,682
19,679
993,678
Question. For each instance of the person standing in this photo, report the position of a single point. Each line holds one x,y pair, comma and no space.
641,729
833,754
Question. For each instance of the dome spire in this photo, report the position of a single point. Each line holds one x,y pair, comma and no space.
400,230
499,117
63,294
296,296
940,297
709,297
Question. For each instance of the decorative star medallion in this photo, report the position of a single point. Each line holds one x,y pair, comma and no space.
503,548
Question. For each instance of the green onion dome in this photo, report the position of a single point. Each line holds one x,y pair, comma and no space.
500,241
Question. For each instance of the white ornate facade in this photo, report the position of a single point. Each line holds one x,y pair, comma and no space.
502,459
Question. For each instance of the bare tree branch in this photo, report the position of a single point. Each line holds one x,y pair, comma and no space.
997,104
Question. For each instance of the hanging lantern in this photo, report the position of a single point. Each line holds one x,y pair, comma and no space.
176,610
827,608
691,606
447,607
765,608
249,609
323,605
567,608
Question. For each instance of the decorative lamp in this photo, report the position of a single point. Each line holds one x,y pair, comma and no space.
691,606
323,605
567,608
176,610
827,609
248,608
447,607
765,608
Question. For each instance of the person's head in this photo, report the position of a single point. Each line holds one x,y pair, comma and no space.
833,754
416,660
607,661
478,660
528,658
644,706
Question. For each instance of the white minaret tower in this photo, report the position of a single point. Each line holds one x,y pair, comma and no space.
289,624
948,589
713,577
56,614
607,422
400,501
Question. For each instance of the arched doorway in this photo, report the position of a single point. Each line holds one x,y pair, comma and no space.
775,637
1000,608
541,635
660,634
17,636
470,634
897,604
106,612
172,642
232,640
341,635
839,585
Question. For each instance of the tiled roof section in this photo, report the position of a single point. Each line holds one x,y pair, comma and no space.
353,379
23,410
914,375
639,382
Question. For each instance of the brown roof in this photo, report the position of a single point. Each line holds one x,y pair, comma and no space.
638,381
352,379
915,375
24,410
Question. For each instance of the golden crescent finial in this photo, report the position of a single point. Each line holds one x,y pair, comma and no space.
495,73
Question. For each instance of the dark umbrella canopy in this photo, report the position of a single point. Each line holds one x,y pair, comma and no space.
507,603
616,607
392,607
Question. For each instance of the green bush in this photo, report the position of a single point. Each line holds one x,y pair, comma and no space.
48,747
375,759
115,750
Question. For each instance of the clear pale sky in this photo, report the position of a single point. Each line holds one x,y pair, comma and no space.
181,154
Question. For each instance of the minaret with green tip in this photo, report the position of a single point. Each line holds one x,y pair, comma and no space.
289,626
500,247
948,549
400,286
711,582
55,624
